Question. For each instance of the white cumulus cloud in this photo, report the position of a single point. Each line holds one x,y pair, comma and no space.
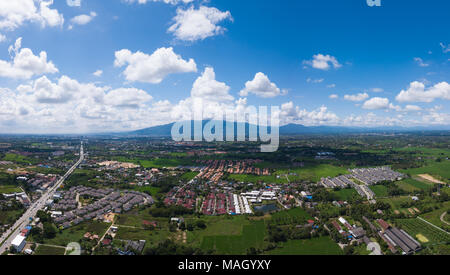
417,92
323,62
24,63
197,24
357,97
14,14
152,68
262,87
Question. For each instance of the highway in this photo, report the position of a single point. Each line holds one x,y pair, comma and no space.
31,212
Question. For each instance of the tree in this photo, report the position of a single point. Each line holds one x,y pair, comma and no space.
49,231
201,224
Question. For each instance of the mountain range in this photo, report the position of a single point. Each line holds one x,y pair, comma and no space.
289,129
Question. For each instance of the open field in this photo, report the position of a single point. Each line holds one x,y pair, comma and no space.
396,202
75,233
430,178
135,218
416,227
189,175
438,170
435,216
346,194
412,185
152,237
311,173
8,217
316,246
380,191
46,250
252,236
18,158
292,216
9,189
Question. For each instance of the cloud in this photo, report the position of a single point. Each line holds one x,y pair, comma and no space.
127,98
67,105
73,3
262,87
14,14
82,19
445,48
418,93
420,62
294,114
376,103
323,62
333,96
310,80
152,68
25,64
356,98
330,86
377,90
412,108
97,73
172,2
197,24
208,88
2,38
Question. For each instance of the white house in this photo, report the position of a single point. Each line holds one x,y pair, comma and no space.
19,243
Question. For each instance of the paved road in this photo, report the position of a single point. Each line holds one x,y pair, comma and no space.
7,237
443,218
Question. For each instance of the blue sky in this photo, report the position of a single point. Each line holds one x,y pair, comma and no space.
323,62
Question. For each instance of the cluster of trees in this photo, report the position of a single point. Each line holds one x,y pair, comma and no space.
170,211
48,230
278,234
169,247
200,224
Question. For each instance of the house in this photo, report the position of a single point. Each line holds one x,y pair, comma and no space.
357,232
137,246
106,242
19,243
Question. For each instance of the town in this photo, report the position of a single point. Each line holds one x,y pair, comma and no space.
133,196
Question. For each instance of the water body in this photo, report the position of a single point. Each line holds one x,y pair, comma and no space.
267,208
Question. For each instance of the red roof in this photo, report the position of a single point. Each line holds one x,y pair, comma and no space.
106,241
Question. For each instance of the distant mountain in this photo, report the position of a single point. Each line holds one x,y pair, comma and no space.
289,129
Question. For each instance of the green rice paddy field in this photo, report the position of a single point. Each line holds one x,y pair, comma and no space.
252,236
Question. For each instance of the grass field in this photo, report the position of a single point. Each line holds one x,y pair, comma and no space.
439,170
435,216
292,216
316,246
75,233
252,236
45,250
380,191
416,227
412,185
309,173
395,202
148,189
17,158
135,218
9,217
9,189
156,163
189,175
152,237
346,194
